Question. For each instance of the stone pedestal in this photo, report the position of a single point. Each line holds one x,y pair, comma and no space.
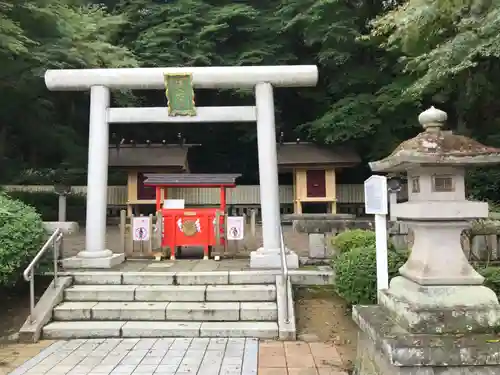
94,259
262,258
387,348
429,330
437,257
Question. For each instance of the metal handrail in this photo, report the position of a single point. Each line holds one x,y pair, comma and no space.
284,274
29,272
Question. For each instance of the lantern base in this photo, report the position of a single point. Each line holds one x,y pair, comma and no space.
441,309
387,348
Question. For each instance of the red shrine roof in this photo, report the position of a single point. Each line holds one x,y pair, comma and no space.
190,179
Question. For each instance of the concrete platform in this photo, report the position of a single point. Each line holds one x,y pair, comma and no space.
228,271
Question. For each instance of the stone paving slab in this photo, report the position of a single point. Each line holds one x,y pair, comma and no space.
299,358
169,356
166,356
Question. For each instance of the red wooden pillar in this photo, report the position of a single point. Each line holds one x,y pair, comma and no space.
158,198
223,217
223,198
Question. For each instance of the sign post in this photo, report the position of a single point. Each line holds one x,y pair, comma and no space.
376,204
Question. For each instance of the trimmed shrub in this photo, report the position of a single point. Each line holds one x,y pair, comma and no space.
21,237
356,273
491,278
46,204
353,239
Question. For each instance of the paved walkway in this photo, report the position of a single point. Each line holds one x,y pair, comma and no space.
168,356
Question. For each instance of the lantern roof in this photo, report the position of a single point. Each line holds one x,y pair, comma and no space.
436,147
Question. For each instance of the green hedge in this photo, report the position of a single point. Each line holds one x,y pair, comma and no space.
491,278
352,239
46,204
356,267
356,273
21,237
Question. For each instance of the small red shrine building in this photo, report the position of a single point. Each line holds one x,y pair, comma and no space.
200,226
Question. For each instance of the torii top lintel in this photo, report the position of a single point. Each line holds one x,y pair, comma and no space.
203,77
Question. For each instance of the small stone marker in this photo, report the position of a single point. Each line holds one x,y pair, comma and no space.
317,245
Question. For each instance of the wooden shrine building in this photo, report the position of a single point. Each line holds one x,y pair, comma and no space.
140,159
313,168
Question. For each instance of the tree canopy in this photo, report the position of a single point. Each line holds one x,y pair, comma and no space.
381,62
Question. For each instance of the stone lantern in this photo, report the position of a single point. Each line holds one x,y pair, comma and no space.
436,317
62,188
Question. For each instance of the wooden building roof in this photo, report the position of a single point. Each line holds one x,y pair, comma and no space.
305,154
190,179
153,155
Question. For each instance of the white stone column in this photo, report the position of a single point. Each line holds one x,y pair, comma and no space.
268,166
95,254
61,215
269,255
97,175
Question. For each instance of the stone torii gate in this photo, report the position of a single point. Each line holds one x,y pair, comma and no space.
101,81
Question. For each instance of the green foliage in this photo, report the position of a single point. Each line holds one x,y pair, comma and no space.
380,63
356,273
36,35
70,176
46,204
441,39
491,278
21,237
356,238
352,239
484,184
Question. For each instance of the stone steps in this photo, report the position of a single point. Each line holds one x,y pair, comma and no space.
156,307
134,329
171,293
166,311
99,303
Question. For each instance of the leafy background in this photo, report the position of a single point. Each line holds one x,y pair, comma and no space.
381,63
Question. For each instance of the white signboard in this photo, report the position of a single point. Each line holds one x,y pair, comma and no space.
173,204
376,204
235,228
376,195
140,228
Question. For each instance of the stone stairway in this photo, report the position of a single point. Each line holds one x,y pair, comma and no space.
162,305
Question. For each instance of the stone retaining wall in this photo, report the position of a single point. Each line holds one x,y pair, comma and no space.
481,243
